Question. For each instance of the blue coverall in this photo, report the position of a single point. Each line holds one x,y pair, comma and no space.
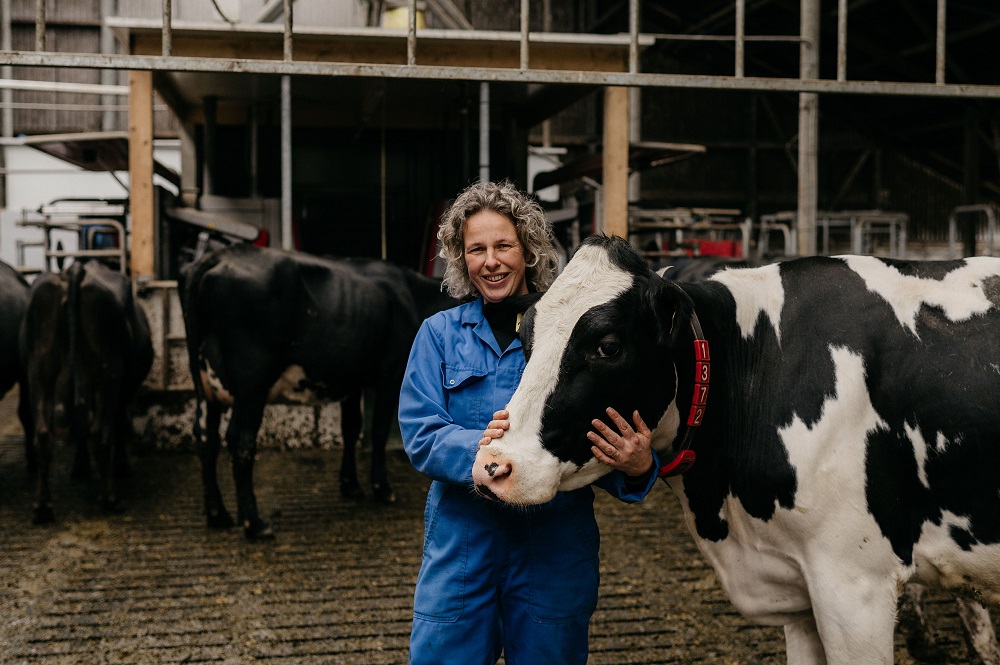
494,578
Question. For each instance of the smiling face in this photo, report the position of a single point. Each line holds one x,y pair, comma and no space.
494,256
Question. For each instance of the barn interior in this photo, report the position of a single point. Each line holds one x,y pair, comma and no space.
904,123
343,127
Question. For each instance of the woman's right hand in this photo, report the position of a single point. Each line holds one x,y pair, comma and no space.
496,427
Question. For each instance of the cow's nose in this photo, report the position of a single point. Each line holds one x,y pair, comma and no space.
491,476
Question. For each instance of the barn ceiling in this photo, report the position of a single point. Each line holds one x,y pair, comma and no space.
887,40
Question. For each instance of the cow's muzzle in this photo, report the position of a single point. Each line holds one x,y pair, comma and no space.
490,475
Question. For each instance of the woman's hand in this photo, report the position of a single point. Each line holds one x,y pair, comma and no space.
496,427
626,450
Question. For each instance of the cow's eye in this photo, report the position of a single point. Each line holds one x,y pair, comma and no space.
608,348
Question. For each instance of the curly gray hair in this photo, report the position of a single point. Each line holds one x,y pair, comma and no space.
534,232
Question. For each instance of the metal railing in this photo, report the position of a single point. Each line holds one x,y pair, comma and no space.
523,73
67,219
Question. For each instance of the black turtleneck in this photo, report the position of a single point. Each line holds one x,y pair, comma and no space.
503,319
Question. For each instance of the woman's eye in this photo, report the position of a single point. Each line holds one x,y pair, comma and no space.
608,349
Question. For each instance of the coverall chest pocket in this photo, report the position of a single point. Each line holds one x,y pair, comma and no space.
465,389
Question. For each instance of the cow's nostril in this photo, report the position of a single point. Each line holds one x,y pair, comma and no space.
491,468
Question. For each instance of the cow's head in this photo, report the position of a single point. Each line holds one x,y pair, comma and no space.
603,335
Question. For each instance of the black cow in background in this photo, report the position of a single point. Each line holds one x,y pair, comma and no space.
87,349
13,304
266,325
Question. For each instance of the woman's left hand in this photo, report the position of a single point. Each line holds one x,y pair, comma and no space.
626,450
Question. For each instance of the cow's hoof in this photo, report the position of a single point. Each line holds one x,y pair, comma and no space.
220,519
257,530
43,515
351,490
383,494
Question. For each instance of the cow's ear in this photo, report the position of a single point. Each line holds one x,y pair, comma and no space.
670,308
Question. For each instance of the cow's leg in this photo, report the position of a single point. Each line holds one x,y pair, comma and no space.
241,436
351,422
980,636
28,423
920,641
208,415
855,616
106,441
802,643
43,513
383,415
124,444
79,436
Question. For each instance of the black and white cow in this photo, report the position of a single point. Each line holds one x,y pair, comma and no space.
265,325
849,441
87,349
13,304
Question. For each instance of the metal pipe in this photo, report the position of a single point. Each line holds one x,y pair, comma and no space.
39,25
512,75
942,11
287,33
740,37
841,40
108,77
286,162
484,132
525,26
633,36
167,33
6,72
411,33
808,186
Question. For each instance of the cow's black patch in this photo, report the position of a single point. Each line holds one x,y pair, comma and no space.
941,381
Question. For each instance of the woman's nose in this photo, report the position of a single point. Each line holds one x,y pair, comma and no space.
492,258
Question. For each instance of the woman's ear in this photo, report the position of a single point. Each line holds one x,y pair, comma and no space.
669,307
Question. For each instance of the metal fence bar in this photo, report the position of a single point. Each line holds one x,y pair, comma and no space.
411,33
287,36
39,25
633,36
942,11
167,38
525,26
841,40
740,37
241,65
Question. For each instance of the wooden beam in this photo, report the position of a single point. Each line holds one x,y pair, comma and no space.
492,50
615,181
140,167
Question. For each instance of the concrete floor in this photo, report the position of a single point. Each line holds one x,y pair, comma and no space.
153,585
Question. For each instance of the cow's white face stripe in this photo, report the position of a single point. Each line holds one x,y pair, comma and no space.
756,291
590,279
960,294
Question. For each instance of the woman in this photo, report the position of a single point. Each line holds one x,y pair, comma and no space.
494,578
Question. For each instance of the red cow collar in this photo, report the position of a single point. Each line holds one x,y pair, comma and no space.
685,457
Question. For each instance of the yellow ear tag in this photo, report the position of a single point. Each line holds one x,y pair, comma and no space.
517,324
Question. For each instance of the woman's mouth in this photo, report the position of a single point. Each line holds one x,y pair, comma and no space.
495,279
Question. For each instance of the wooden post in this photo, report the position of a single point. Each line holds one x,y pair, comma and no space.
140,167
615,162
